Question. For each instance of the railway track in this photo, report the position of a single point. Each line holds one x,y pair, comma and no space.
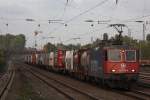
7,80
70,92
142,93
136,94
145,69
144,79
1,75
139,91
144,73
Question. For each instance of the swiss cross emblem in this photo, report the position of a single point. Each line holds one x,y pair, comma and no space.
123,65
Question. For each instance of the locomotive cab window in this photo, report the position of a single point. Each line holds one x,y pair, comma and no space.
114,55
130,55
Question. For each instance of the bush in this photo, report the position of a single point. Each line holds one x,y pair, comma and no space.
2,61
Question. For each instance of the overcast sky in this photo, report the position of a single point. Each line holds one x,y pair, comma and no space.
14,13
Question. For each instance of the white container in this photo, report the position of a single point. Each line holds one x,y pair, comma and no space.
51,59
69,60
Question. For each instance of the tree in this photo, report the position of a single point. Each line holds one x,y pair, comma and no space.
2,61
148,37
12,44
105,36
117,40
49,47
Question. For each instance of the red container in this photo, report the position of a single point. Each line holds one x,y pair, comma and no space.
33,61
60,59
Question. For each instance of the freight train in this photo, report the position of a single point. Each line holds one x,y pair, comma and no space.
115,65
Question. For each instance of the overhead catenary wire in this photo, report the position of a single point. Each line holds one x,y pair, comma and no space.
81,35
105,0
94,31
82,13
86,11
135,19
64,10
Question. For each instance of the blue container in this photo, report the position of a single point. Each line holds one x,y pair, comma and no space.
96,63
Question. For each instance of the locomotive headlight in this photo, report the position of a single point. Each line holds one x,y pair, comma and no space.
113,70
133,70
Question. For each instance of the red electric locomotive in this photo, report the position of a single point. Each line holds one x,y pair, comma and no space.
116,66
121,65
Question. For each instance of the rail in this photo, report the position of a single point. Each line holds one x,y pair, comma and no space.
38,74
7,80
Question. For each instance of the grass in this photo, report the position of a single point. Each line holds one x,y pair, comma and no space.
27,92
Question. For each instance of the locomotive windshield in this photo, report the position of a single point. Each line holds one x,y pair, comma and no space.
130,55
114,55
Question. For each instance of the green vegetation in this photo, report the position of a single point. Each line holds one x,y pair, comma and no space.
143,46
51,47
145,49
10,45
26,91
2,61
